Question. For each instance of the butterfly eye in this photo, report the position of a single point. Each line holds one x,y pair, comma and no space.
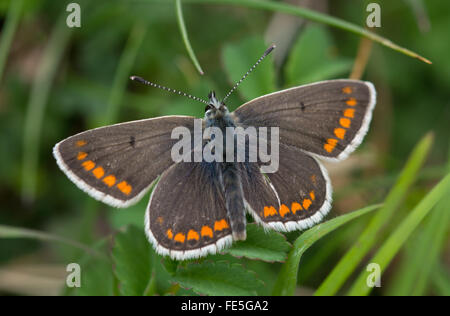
208,107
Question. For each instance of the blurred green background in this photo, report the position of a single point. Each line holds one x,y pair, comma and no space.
57,81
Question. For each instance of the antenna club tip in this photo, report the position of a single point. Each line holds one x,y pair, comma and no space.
269,50
137,78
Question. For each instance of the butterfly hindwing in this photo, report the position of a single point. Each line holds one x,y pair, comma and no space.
328,118
117,164
297,196
186,216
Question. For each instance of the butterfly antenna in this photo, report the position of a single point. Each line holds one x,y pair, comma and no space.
267,52
142,80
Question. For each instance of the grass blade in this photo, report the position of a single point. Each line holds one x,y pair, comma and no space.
12,20
317,17
287,278
391,247
185,36
422,254
34,116
17,232
355,255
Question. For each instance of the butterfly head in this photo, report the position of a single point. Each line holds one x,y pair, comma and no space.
215,107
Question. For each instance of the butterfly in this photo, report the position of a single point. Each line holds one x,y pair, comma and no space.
198,208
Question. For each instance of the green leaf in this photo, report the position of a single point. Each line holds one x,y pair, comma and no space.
218,278
368,238
239,58
170,265
287,278
311,58
132,257
266,246
393,244
97,277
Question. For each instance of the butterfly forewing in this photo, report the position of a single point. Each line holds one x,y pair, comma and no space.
328,118
117,164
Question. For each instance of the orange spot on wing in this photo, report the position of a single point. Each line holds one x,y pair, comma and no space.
206,231
80,143
330,144
160,220
124,187
296,207
313,179
347,90
192,234
312,195
283,210
339,132
109,180
345,122
88,165
306,203
169,233
349,113
269,211
98,172
351,102
180,237
81,155
220,225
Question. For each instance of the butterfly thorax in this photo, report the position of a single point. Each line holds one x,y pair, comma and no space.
217,114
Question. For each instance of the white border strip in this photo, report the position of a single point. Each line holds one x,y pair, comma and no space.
96,194
357,140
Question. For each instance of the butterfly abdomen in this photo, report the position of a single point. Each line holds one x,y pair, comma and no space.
234,200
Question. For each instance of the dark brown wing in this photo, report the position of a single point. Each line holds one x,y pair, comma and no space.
186,216
117,164
328,118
